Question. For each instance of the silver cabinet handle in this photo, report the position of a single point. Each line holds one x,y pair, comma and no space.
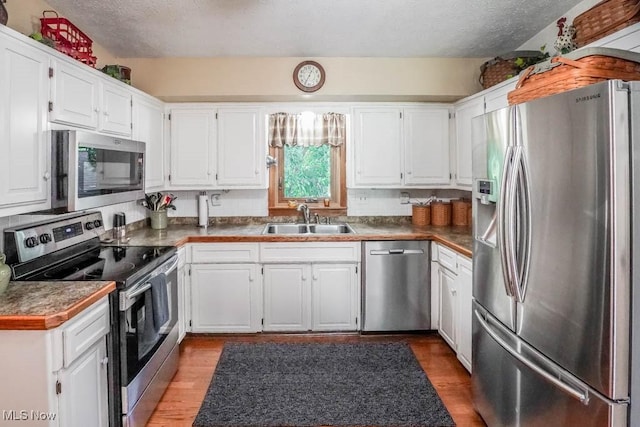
581,395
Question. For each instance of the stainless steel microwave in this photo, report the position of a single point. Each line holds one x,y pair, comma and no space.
90,170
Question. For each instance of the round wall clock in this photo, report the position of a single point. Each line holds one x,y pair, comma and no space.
308,76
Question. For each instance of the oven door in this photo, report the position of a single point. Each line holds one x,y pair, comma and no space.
92,170
148,338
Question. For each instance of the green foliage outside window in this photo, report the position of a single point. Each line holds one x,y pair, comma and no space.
307,172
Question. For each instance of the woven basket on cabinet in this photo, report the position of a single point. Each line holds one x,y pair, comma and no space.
574,70
605,18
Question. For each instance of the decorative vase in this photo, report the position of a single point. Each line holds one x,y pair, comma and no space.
5,274
158,219
4,16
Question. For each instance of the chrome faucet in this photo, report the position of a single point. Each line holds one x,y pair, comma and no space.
305,212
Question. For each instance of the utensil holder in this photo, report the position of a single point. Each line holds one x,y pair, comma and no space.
158,219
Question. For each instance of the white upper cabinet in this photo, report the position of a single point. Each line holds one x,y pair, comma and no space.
193,134
241,148
80,98
74,96
115,109
465,112
23,120
378,147
399,146
426,148
148,126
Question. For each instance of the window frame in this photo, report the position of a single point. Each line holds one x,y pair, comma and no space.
280,206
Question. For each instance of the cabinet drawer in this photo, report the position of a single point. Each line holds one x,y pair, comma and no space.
447,258
224,252
310,252
84,330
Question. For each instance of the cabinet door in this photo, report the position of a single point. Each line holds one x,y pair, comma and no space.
241,148
225,298
83,398
287,298
148,125
448,306
426,145
74,96
192,148
115,109
378,145
335,297
464,322
465,112
23,115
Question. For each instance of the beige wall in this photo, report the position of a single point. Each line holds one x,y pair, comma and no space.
24,17
270,79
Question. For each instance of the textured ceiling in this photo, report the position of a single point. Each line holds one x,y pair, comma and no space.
311,28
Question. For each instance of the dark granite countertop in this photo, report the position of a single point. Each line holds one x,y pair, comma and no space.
46,305
457,238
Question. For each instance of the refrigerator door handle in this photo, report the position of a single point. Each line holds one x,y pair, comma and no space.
579,394
524,258
503,218
512,243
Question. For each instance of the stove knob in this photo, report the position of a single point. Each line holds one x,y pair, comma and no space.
97,223
89,225
45,238
31,242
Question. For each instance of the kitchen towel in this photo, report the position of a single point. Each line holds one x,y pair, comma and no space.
159,298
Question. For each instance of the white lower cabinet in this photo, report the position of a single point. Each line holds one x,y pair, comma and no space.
464,325
225,298
334,295
287,297
448,306
311,286
183,295
310,297
58,377
226,287
454,276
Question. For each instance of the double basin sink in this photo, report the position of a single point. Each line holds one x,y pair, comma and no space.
289,228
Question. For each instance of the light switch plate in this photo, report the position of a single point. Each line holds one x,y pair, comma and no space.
215,199
404,198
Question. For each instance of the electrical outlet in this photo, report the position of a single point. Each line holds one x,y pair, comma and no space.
404,198
215,199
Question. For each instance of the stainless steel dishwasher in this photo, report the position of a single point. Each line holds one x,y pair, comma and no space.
396,291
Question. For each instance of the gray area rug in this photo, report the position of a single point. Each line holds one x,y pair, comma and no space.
320,384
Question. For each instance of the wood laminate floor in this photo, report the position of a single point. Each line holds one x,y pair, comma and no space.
199,355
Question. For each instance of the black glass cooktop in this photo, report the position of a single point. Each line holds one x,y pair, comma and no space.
118,263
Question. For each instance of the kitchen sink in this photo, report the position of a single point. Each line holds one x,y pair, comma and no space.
307,229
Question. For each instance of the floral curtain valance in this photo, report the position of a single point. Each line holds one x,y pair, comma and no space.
306,129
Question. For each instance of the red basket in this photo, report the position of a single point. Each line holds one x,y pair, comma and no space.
67,37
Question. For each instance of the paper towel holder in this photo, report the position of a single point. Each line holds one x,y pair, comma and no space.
203,209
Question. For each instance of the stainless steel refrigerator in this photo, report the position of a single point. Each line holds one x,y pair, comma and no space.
556,260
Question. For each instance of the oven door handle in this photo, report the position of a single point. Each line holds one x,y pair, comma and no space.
167,267
126,298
